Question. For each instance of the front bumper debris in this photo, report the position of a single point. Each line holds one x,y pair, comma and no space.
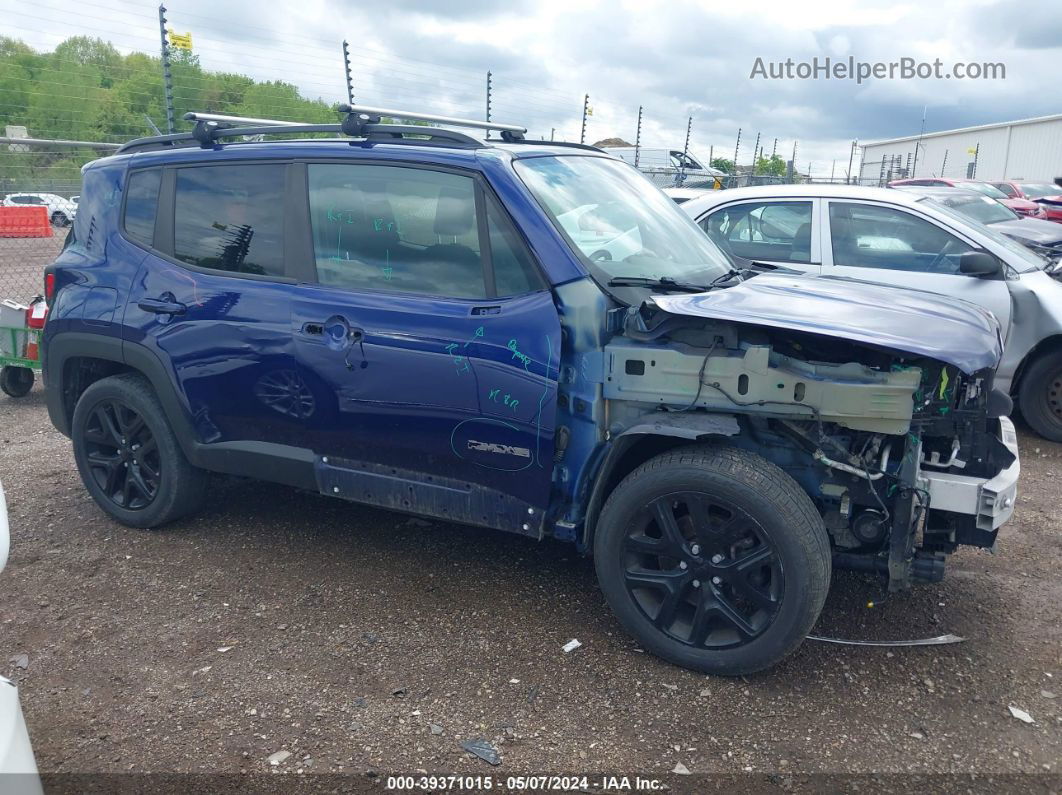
990,501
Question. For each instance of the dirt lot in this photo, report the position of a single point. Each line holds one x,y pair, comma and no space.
364,642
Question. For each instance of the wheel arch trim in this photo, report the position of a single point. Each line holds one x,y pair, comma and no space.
674,427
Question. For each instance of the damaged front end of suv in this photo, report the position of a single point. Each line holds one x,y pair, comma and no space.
878,402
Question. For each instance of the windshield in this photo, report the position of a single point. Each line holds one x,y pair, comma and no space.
1022,259
619,222
1037,190
983,187
981,208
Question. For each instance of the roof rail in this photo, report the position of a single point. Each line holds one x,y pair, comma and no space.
210,127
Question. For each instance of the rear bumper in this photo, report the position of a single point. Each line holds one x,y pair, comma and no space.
990,501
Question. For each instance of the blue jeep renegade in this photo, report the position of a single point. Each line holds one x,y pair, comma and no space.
523,336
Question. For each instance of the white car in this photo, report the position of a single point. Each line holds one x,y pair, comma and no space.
61,211
669,167
18,769
907,240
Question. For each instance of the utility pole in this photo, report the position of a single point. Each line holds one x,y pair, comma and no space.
638,138
346,70
737,147
489,90
774,149
167,76
851,156
977,153
586,107
944,165
833,168
552,130
755,153
918,143
689,126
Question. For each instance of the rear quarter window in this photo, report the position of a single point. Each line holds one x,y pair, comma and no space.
141,205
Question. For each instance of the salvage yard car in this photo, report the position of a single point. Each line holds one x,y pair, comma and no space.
524,336
906,239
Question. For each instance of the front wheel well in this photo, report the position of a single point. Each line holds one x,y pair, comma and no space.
1043,347
627,454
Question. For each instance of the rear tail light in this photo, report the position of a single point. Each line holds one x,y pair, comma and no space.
37,313
49,286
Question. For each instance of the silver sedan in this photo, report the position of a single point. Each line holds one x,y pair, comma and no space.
895,237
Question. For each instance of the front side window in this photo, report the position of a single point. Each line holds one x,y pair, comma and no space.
141,205
410,230
869,236
231,218
1005,188
777,231
618,222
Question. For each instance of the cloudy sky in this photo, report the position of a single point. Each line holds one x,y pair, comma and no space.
675,58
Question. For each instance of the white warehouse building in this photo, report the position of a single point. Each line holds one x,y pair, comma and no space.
1026,149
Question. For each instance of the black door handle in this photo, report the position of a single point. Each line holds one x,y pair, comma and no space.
161,306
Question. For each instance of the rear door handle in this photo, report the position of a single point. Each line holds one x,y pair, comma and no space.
162,306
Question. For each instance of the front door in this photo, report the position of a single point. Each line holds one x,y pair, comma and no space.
890,245
434,332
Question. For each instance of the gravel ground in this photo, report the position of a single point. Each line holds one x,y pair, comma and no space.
365,642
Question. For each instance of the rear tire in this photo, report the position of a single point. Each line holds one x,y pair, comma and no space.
1040,396
128,456
16,382
714,559
60,219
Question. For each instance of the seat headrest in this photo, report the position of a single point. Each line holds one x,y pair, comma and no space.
454,212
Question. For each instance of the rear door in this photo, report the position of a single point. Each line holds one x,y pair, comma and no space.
892,245
776,231
212,298
433,330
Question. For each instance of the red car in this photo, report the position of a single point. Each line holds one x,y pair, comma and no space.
1021,206
1048,196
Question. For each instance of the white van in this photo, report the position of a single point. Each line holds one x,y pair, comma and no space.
670,168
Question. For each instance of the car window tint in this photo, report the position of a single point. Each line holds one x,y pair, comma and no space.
778,231
141,205
869,236
514,272
393,228
231,218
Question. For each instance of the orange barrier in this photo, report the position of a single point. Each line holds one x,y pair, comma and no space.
24,222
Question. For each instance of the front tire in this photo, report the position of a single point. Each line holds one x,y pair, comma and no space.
1040,396
60,219
714,559
128,457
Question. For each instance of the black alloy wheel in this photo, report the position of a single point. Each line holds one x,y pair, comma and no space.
702,570
122,455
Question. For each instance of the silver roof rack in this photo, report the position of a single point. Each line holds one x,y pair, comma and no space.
370,114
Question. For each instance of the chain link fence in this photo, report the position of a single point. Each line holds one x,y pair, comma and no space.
39,185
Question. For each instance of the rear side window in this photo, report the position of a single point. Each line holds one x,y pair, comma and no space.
142,204
231,218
